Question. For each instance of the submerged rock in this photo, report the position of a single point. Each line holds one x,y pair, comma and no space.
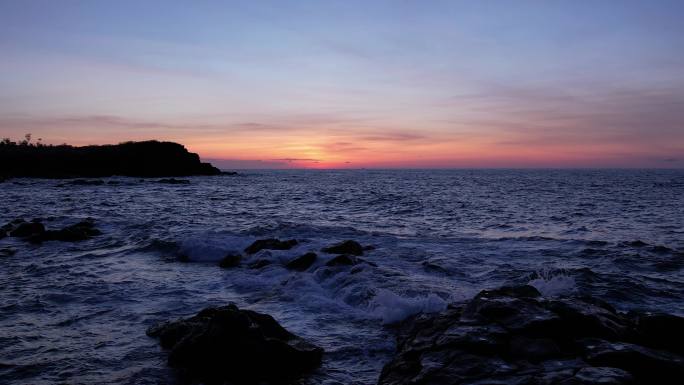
35,231
346,247
80,231
270,244
230,260
514,336
302,262
27,229
239,346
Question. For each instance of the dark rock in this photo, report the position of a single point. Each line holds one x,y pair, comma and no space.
637,243
260,263
173,181
7,252
512,335
239,346
230,260
661,331
302,262
659,249
80,231
270,244
534,349
657,366
3,234
346,247
342,260
600,376
27,229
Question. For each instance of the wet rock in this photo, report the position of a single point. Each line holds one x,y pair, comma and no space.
173,181
346,247
302,262
27,229
637,243
260,263
661,331
238,346
342,260
230,260
270,244
658,366
512,335
599,376
80,231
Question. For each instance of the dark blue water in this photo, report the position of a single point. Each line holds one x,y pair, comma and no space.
77,312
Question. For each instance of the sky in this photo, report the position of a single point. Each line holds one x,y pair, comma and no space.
353,84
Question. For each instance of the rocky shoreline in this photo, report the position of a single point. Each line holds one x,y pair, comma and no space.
514,336
510,335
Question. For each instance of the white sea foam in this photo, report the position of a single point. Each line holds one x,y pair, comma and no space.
391,307
554,284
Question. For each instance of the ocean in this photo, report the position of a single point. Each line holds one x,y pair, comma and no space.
76,312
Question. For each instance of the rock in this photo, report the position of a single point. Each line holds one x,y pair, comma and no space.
599,376
7,252
80,231
342,260
661,331
260,263
226,344
270,244
302,262
230,260
27,229
656,365
346,247
173,181
512,335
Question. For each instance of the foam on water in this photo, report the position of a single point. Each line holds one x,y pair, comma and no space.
391,308
552,284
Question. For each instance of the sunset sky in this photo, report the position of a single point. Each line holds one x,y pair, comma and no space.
330,84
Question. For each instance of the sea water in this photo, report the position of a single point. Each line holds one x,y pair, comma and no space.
77,313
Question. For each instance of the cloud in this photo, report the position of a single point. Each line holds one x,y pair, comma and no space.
393,137
290,160
246,164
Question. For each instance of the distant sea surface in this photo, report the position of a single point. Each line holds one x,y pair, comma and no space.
77,313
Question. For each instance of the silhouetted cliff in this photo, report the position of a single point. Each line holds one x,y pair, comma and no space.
139,159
